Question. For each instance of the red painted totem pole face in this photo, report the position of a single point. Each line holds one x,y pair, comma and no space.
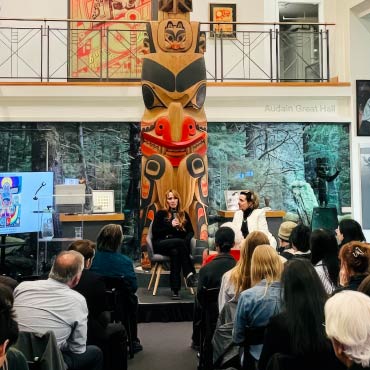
174,127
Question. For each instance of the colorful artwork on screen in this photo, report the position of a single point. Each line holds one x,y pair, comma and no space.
10,190
107,50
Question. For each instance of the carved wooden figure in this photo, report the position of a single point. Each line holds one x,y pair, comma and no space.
174,124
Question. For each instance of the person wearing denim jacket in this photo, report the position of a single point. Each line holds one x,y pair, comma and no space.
255,307
257,304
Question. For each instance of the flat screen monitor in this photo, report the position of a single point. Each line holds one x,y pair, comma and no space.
19,194
70,194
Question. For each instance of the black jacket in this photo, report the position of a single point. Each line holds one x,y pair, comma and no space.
163,229
92,287
210,275
354,283
278,340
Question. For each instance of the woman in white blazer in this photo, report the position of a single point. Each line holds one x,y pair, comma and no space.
250,218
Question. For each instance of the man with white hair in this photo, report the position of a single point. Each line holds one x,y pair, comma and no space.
52,305
347,323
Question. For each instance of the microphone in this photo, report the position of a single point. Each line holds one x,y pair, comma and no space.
173,214
40,187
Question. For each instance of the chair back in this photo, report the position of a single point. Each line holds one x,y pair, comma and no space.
41,350
280,361
119,301
149,243
153,257
254,335
208,301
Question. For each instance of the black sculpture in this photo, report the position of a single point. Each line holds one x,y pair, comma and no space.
323,178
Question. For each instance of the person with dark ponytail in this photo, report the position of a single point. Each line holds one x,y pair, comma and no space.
210,275
10,358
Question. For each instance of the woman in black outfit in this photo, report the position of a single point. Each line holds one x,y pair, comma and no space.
172,232
297,332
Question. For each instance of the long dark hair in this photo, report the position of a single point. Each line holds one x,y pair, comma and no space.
304,298
351,231
324,247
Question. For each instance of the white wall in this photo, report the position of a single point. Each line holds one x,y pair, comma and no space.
34,9
360,70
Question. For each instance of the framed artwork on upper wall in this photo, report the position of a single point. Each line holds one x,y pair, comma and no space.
101,48
363,107
225,13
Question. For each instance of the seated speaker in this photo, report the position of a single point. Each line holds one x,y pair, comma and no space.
324,218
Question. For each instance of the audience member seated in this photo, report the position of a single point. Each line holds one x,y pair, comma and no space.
349,230
10,358
234,281
257,304
8,281
172,232
324,249
298,330
109,261
234,251
300,240
210,275
52,304
284,232
347,324
364,287
354,264
238,278
111,338
250,218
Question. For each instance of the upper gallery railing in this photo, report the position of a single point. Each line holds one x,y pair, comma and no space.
83,50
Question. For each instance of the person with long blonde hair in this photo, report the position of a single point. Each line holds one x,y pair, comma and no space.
172,232
238,279
263,300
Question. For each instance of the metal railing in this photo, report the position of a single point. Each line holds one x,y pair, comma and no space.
83,50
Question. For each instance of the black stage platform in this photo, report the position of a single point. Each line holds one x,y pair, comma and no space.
161,308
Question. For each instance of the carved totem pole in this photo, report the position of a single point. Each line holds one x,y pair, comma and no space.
174,124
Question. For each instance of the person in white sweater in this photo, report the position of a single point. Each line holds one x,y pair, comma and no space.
250,218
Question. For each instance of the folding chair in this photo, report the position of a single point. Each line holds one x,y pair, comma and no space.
254,335
208,301
121,302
